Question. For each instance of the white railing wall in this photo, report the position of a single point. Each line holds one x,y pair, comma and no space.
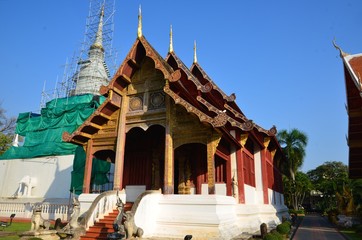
24,210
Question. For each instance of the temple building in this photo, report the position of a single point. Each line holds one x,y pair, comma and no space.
160,125
166,126
352,66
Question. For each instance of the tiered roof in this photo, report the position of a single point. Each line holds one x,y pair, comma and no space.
191,88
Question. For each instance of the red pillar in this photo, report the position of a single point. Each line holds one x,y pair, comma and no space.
240,167
264,174
88,167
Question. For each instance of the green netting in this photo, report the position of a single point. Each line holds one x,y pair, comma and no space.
43,132
99,171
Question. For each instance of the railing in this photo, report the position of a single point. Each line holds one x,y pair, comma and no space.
101,206
8,208
24,210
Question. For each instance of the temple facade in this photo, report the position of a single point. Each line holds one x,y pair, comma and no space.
167,126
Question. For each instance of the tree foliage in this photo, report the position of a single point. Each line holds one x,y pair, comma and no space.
293,143
329,177
337,190
296,191
7,126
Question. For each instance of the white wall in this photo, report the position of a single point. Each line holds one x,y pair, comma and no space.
203,216
250,194
275,198
52,176
258,177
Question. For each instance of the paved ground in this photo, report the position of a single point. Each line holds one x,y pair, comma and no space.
316,227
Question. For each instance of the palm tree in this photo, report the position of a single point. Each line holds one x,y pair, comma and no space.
293,143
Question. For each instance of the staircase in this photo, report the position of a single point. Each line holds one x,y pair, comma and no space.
104,226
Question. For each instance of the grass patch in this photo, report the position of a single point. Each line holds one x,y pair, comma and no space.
11,232
12,237
351,234
18,227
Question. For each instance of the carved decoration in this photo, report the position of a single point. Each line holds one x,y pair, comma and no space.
189,108
37,221
66,136
157,100
248,125
266,141
243,139
273,130
175,76
206,88
136,103
220,120
72,225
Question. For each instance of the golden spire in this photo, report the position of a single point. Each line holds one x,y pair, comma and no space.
139,30
99,35
171,42
195,57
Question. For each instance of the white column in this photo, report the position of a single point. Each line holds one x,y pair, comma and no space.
258,177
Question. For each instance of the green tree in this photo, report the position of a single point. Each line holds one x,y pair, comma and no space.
7,126
331,179
293,143
296,191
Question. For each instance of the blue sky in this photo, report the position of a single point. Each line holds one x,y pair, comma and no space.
276,56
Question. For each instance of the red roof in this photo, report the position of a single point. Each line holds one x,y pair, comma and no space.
353,73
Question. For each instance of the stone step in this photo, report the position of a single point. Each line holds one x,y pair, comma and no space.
92,238
104,226
95,229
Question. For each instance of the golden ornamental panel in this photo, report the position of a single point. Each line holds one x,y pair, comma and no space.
136,103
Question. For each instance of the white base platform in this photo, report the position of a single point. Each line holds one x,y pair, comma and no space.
203,216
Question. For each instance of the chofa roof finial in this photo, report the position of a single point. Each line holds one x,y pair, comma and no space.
195,55
139,30
171,42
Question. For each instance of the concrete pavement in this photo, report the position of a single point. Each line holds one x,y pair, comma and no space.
316,227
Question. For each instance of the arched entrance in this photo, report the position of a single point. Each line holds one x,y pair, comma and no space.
190,168
104,178
144,157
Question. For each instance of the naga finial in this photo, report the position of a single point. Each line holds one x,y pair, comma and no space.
341,53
